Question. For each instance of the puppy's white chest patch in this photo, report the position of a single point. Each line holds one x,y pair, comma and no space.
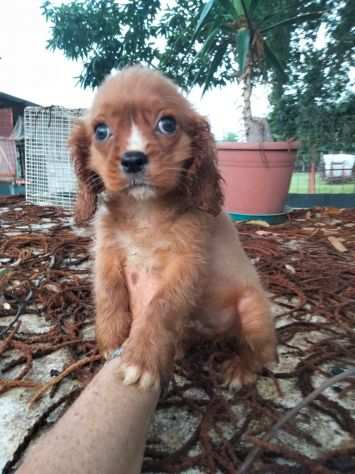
143,268
142,254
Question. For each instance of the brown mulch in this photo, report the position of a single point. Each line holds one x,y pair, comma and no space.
307,265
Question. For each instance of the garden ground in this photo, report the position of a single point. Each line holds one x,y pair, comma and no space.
48,348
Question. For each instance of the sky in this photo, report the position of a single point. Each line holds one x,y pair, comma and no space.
29,71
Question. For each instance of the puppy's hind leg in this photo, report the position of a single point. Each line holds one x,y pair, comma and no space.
256,336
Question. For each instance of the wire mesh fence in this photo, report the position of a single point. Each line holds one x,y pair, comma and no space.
50,178
326,157
336,177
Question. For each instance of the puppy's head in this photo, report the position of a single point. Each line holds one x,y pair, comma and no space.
141,137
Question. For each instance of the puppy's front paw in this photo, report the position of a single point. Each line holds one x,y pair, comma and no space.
110,337
255,354
135,374
263,349
257,328
138,367
110,353
236,375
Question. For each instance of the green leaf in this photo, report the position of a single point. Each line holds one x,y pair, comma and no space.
209,42
243,48
228,5
207,47
204,14
274,61
215,64
253,6
238,7
293,20
246,14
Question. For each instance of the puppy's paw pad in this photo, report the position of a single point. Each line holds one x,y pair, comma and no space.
133,374
107,355
130,374
148,381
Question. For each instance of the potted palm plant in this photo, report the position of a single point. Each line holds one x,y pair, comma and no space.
199,42
257,173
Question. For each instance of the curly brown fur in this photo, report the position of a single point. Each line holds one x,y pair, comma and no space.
166,256
89,183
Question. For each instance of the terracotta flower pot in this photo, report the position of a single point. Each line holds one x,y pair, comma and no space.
257,175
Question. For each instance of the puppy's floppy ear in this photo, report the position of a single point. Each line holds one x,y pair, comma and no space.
204,180
89,183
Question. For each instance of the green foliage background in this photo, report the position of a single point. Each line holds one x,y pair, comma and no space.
311,98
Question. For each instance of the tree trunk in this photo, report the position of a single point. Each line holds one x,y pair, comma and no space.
256,129
246,94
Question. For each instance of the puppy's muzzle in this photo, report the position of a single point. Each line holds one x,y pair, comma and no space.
133,162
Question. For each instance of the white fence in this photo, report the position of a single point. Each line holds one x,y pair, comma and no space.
50,178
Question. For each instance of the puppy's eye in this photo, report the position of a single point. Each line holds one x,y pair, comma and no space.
102,132
167,125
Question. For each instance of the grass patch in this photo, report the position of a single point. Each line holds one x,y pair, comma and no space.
299,184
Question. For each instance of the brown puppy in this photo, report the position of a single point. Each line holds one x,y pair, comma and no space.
165,253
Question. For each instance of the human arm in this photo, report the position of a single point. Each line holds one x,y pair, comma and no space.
104,431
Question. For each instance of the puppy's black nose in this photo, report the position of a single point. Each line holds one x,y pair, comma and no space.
133,161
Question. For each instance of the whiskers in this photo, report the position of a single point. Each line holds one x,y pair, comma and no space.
167,176
179,171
